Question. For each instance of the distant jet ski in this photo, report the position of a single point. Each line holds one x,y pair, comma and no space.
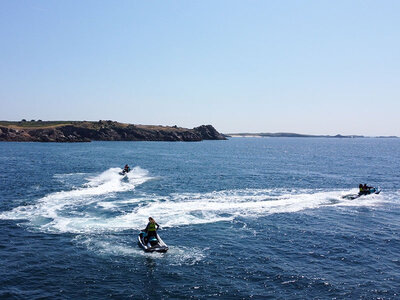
125,170
370,191
152,244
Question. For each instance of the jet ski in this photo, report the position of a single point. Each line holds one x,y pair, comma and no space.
124,172
370,191
152,244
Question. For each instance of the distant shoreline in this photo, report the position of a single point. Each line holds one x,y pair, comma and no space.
287,134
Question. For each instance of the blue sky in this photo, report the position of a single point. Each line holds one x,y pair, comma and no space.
318,67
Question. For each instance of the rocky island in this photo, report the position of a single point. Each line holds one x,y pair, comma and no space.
87,131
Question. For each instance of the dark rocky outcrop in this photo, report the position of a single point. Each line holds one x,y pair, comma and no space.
208,132
102,131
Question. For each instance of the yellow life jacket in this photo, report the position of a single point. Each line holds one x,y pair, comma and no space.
151,227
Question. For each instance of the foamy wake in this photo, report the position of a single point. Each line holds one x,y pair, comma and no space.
55,211
97,208
195,208
126,246
101,216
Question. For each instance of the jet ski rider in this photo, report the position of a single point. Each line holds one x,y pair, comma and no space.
364,189
151,228
126,169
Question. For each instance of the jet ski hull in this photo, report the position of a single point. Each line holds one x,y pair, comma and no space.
369,192
156,246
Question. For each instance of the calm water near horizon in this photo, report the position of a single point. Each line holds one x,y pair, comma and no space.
245,218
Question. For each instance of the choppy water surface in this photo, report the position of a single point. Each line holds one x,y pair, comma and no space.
244,218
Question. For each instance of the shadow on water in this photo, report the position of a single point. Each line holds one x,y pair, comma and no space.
153,288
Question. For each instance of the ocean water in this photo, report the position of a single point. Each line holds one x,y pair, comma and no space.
245,218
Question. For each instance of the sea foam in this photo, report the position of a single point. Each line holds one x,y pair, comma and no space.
96,207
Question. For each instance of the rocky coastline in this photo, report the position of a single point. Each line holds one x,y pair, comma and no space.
84,131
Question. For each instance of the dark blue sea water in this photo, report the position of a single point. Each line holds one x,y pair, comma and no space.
244,218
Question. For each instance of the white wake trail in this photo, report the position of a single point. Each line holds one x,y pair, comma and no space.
57,209
95,208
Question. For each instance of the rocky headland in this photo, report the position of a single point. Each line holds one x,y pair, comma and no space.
85,131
